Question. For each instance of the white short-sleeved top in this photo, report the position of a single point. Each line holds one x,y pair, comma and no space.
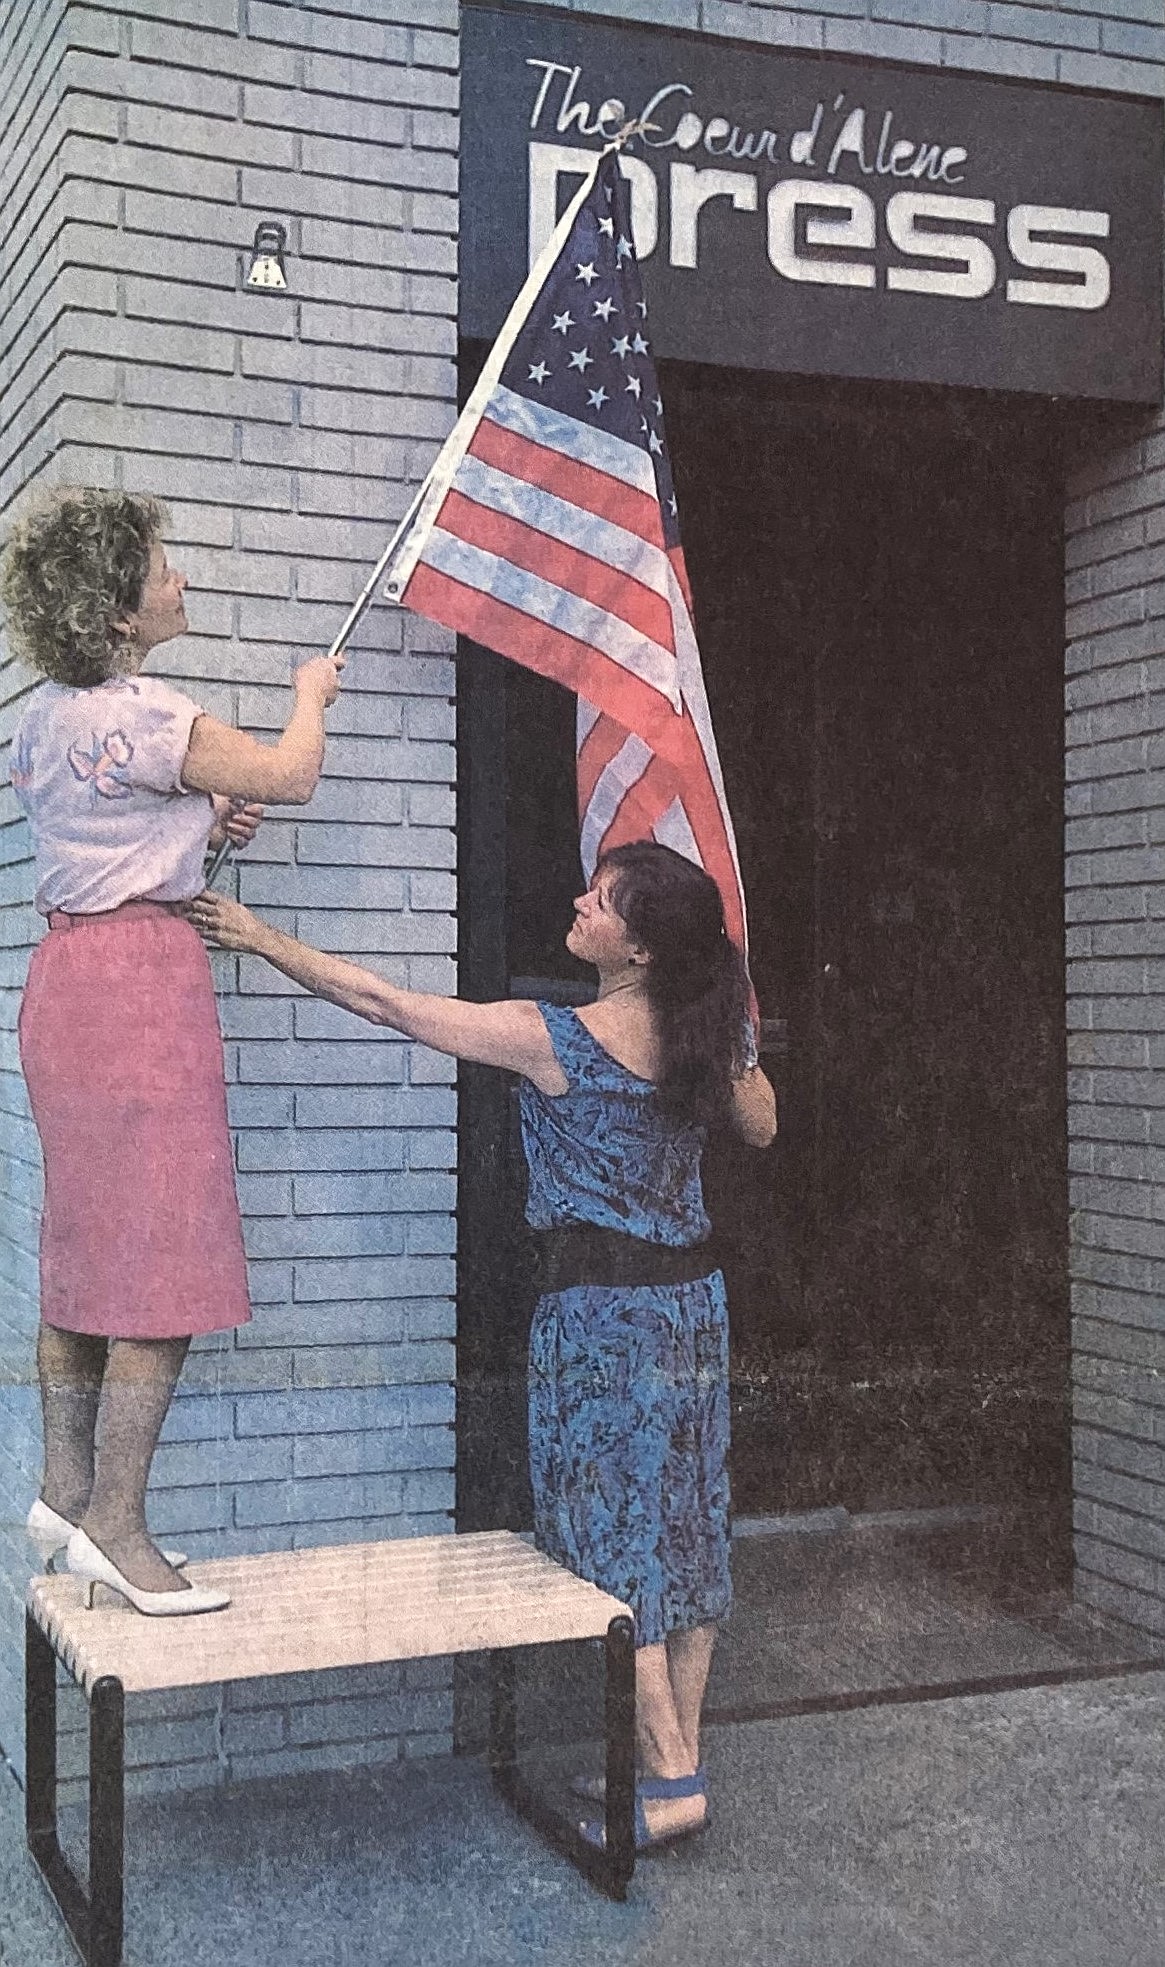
98,773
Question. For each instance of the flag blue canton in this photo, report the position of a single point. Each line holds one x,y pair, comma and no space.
584,349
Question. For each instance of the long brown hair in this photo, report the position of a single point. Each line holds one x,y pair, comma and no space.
697,984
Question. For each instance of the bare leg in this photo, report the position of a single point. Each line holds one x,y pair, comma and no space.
663,1750
139,1383
70,1367
689,1657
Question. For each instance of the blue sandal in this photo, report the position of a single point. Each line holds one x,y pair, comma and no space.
656,1789
594,1788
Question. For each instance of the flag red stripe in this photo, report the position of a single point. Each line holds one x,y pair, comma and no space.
563,566
579,484
641,806
603,741
581,668
691,779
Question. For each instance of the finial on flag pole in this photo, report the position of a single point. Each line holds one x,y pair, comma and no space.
635,128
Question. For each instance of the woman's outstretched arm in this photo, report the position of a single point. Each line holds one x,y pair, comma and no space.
511,1034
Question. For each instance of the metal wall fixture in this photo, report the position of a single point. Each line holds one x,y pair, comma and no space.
266,268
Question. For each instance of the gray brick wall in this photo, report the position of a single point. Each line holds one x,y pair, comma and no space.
286,431
1118,46
1116,1022
35,118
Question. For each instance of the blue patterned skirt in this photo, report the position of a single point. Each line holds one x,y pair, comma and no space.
629,1426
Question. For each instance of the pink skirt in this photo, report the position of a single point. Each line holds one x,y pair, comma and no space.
120,1044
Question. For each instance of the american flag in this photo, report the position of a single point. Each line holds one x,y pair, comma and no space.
548,530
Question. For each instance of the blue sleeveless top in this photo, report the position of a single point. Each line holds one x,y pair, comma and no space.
602,1152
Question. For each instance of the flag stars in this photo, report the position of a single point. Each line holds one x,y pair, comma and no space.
586,273
581,360
634,386
642,306
623,249
605,308
622,347
563,323
597,397
538,373
653,444
657,406
673,505
639,346
607,228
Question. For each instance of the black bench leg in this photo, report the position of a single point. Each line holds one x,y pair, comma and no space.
94,1919
611,1867
620,1772
40,1750
106,1821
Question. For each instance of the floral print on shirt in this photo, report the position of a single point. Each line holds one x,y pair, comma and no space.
103,767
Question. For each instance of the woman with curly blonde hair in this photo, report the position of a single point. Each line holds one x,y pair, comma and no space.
125,782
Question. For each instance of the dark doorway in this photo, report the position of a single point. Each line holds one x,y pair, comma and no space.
878,586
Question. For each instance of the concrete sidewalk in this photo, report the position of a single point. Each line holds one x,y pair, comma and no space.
1021,1829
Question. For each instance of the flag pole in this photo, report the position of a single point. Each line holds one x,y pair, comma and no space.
339,642
369,589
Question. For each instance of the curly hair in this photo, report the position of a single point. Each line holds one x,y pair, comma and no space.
72,566
697,983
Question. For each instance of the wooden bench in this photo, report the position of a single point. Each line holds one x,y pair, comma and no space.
302,1611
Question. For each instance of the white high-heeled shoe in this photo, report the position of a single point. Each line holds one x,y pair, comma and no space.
50,1532
86,1561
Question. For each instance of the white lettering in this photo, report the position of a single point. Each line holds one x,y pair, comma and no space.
853,229
1052,256
976,261
572,111
644,205
690,192
801,144
650,111
746,144
551,161
926,164
850,142
552,68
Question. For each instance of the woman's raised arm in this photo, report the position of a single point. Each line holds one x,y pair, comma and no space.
221,759
511,1034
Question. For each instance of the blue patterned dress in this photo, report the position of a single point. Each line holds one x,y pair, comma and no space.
629,1412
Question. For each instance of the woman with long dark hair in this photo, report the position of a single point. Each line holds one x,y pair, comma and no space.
629,1409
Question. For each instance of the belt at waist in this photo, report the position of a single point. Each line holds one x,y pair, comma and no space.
59,918
586,1253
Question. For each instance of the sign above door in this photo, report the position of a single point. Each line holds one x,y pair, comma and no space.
824,216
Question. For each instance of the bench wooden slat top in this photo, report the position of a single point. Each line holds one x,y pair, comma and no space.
339,1605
